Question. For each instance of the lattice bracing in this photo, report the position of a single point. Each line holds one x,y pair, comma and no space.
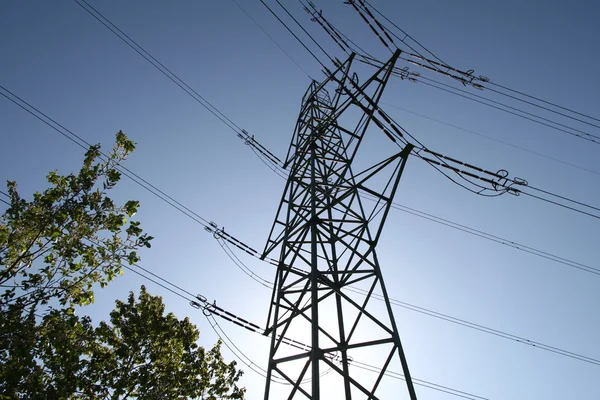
326,230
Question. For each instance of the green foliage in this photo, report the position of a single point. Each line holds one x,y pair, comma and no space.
70,236
142,353
53,250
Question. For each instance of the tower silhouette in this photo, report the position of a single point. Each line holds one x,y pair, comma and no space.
329,283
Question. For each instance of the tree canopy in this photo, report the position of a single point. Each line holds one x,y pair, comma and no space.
55,250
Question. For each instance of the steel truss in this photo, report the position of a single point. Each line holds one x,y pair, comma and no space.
326,234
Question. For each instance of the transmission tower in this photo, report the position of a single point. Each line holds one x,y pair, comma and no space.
329,283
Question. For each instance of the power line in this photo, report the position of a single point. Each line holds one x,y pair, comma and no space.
497,239
499,106
9,99
209,226
304,30
446,65
293,34
212,309
542,107
157,64
543,101
82,143
493,139
7,195
467,78
448,318
273,40
241,133
499,180
500,183
576,132
200,302
406,35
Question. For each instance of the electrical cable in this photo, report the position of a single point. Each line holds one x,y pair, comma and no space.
293,34
273,40
481,328
316,16
543,101
587,135
208,225
581,134
491,82
502,181
497,239
243,267
562,205
157,64
241,133
472,325
337,32
304,30
125,171
517,112
483,188
541,107
403,32
461,173
493,139
420,382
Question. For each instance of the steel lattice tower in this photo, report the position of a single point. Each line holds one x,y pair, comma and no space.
329,283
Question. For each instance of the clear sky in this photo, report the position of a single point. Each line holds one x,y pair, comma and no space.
61,60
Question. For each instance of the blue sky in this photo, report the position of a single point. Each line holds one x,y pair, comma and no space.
65,63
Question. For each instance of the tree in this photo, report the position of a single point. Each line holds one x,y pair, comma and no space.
54,252
70,236
142,353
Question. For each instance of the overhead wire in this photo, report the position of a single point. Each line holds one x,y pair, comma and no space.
512,244
498,183
461,173
420,382
495,238
7,195
210,310
493,139
359,4
504,182
248,139
463,322
241,133
542,107
543,101
520,113
209,226
192,299
318,16
404,33
272,39
304,30
495,104
486,81
78,140
293,34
